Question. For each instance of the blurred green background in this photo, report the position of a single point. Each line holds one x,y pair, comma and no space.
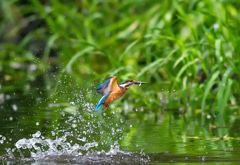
55,53
188,51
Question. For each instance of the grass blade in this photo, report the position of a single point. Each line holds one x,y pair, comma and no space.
208,88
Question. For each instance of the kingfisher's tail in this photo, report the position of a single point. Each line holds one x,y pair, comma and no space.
101,102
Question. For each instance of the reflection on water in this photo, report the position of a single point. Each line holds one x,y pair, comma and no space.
39,128
87,137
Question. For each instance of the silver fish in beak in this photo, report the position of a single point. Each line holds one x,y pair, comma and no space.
139,83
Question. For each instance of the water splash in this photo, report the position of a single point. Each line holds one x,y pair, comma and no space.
61,151
2,139
41,147
77,135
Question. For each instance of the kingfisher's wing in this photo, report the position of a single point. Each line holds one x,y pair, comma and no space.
101,102
114,86
105,87
108,85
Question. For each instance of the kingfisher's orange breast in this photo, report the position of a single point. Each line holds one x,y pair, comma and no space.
113,96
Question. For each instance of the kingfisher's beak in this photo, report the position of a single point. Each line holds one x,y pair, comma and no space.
139,82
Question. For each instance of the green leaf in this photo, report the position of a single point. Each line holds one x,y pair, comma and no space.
50,44
208,88
76,56
223,91
127,49
185,68
179,60
156,64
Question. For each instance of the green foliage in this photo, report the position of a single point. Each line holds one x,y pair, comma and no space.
185,50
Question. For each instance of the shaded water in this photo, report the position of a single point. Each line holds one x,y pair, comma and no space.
38,128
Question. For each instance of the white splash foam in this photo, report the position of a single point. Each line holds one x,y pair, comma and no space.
41,147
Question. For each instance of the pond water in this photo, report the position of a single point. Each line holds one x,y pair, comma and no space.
38,128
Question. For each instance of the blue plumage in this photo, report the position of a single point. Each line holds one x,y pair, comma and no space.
101,102
102,88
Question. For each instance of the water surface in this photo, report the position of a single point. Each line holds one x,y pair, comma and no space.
40,128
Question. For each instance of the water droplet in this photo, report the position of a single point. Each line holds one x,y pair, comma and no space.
37,134
14,106
53,133
216,27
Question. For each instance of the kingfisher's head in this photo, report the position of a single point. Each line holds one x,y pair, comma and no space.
128,83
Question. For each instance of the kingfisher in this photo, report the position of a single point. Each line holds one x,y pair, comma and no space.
112,91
